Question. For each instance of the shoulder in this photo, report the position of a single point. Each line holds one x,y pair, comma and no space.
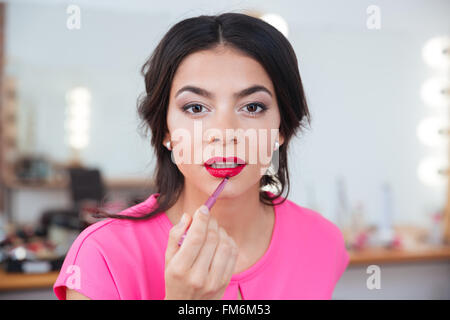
91,246
112,230
310,222
97,233
85,267
97,254
113,235
322,237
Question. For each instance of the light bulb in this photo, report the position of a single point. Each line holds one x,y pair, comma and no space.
436,52
431,171
78,117
432,131
435,92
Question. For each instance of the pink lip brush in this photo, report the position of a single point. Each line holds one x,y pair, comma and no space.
210,202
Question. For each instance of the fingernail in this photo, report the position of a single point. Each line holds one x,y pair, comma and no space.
204,209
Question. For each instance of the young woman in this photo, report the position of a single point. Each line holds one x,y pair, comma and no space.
217,73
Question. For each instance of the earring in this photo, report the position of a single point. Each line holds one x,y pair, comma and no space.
169,145
277,145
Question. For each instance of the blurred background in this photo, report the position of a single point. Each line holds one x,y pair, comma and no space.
375,160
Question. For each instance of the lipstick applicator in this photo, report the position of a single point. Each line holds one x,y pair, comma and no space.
210,202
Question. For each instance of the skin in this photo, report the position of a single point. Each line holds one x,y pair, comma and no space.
75,295
238,229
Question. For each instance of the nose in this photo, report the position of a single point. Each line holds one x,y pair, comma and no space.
223,130
233,140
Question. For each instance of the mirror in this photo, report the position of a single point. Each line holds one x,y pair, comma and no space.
48,61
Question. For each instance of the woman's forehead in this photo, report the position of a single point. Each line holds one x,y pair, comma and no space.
220,71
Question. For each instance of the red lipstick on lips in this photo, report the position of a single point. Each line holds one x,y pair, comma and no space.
224,172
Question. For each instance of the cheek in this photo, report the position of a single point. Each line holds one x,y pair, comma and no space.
187,170
262,143
181,131
177,120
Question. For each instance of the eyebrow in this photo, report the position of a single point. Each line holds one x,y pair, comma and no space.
237,95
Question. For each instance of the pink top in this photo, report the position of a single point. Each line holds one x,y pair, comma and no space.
124,259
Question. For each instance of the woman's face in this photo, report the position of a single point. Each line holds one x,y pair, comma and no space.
216,121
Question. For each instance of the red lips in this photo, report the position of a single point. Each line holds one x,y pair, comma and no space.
224,172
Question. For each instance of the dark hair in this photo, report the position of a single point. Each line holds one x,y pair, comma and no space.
251,36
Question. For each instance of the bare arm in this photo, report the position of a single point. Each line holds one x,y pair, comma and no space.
75,295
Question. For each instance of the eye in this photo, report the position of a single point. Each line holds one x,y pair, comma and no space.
194,107
254,108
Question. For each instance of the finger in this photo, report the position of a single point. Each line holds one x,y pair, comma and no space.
175,235
220,260
195,237
204,259
229,270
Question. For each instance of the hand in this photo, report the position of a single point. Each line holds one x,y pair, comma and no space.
201,268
